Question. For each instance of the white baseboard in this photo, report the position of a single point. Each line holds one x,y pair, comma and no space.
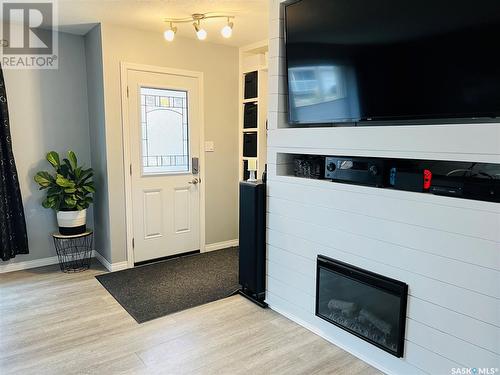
23,265
103,261
111,267
119,266
11,266
27,264
222,245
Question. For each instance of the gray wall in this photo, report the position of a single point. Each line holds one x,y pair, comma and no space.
219,64
95,89
48,111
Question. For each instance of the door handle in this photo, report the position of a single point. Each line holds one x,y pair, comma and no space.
194,181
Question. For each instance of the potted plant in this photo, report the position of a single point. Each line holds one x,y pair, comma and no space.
69,192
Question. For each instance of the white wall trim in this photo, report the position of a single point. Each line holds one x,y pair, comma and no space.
222,245
111,267
124,68
27,264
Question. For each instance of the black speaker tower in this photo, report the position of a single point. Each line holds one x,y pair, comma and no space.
252,267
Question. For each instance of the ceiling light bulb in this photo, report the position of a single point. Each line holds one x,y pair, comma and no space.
170,33
200,32
227,30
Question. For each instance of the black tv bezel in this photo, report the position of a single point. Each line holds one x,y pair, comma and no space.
446,119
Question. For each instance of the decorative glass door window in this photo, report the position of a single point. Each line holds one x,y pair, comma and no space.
164,127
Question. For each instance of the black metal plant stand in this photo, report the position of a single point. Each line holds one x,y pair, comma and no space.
74,252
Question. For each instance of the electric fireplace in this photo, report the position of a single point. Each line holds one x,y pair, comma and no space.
368,305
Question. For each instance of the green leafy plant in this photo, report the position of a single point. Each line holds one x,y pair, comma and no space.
71,188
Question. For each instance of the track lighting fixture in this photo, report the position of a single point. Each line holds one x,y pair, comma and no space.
196,19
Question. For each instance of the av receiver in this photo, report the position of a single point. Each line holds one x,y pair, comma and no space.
364,171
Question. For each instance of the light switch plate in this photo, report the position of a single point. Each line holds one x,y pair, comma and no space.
209,146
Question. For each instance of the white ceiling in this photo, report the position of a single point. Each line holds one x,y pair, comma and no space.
250,23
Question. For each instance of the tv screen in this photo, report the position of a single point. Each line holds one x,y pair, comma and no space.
359,60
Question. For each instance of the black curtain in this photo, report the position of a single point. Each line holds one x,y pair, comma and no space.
13,236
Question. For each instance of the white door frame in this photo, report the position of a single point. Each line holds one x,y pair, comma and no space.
127,157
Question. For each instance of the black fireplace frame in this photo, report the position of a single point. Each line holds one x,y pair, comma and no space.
374,280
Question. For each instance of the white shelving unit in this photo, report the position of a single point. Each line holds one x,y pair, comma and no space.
254,58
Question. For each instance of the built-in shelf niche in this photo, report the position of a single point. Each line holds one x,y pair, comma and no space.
475,181
253,107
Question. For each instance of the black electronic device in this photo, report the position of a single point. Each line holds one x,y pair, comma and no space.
309,166
448,189
386,60
252,260
485,189
407,180
365,171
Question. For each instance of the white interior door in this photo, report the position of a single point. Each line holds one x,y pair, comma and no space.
164,122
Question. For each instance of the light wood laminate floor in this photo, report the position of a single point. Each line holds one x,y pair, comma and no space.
56,323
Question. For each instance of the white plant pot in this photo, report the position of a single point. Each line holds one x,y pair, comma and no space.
72,222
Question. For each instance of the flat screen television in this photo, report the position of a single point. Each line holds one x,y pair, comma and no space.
379,61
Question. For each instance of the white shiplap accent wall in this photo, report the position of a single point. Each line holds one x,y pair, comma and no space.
447,250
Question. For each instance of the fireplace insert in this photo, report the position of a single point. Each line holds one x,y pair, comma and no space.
368,305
